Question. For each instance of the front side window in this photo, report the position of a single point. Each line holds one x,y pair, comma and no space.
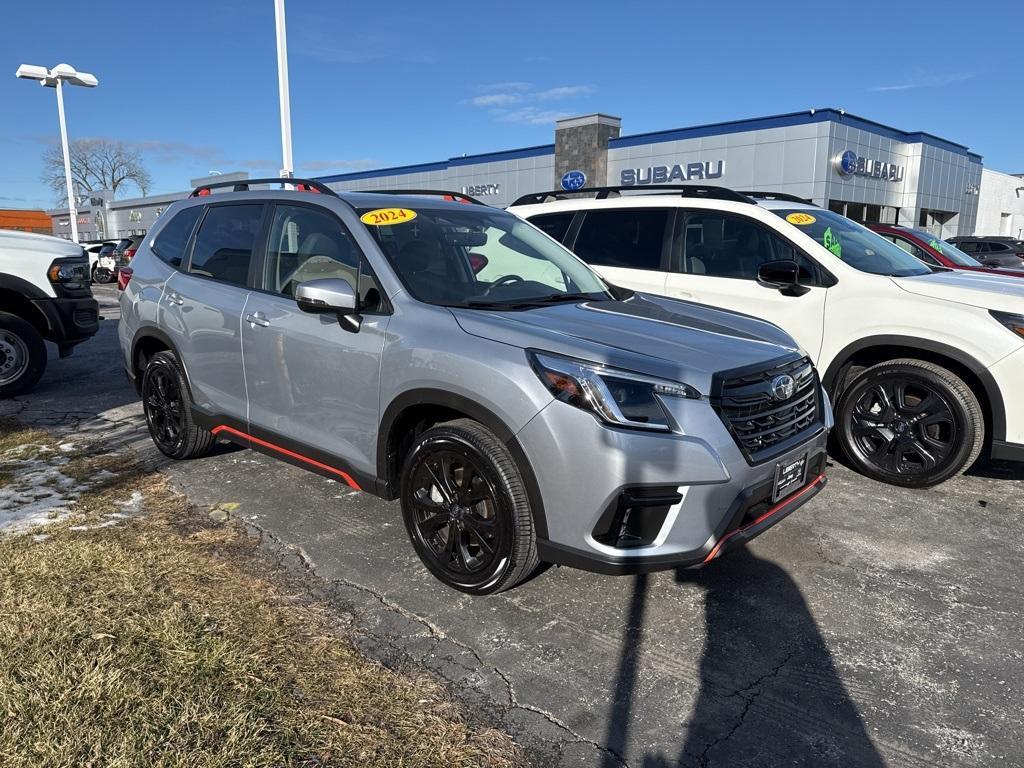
480,257
224,244
948,250
629,238
170,244
913,249
851,243
310,244
723,245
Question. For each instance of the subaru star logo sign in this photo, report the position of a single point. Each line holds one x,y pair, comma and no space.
783,387
846,163
574,180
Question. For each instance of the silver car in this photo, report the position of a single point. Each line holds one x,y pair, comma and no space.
451,355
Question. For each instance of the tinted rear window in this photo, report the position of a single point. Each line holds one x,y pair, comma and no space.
630,238
224,244
554,224
170,244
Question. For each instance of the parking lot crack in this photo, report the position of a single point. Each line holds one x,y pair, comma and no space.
749,693
437,633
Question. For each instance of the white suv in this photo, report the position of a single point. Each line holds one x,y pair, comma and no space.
925,365
44,295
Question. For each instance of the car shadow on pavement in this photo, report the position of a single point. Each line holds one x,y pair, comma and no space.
769,691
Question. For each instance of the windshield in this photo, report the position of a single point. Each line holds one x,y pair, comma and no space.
479,257
951,252
855,245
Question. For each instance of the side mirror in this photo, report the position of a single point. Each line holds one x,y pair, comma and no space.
330,294
782,275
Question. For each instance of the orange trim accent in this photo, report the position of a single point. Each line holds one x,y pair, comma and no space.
773,511
344,476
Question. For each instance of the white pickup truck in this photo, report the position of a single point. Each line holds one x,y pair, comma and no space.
44,295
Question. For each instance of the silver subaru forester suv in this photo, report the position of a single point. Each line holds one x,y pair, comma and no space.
446,353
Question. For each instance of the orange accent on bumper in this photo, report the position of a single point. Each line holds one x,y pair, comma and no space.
773,511
312,462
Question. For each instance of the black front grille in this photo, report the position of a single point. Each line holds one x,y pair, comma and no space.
762,424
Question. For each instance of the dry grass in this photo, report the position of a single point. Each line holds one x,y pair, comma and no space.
164,641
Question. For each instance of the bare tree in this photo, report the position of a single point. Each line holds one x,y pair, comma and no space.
96,164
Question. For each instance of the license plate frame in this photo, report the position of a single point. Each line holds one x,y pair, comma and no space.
789,476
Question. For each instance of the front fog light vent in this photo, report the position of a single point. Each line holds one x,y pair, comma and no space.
636,516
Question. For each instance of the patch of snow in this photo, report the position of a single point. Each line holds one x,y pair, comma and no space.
39,494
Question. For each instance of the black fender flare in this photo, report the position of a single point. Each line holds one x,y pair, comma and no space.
475,411
997,409
22,286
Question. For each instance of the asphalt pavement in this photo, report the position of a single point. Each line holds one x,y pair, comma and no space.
875,626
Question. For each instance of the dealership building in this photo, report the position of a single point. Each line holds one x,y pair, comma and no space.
862,169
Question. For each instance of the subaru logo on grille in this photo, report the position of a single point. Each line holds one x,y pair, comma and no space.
783,387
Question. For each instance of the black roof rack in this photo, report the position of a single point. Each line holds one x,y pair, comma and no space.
601,193
781,196
432,192
242,185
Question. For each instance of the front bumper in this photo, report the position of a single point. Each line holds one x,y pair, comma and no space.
711,497
70,320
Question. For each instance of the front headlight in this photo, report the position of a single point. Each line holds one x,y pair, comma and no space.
1014,323
617,397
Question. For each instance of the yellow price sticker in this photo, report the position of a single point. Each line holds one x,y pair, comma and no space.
800,219
385,217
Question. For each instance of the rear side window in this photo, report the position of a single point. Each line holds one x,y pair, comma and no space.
224,244
998,247
170,244
633,239
554,224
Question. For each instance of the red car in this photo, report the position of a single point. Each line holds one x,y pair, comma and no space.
934,251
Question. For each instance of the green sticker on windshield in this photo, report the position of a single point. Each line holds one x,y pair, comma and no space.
935,245
831,242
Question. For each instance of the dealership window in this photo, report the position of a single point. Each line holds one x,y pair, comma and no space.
721,245
554,224
865,213
938,223
632,238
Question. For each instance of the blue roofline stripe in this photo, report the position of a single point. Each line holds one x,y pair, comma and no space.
786,120
443,165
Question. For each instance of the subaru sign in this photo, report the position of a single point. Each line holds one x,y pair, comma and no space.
849,163
574,180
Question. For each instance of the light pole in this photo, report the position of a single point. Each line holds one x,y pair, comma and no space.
287,170
55,78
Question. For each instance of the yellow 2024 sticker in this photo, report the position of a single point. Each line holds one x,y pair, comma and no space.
800,219
385,217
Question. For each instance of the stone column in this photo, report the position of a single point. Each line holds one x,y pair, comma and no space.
581,144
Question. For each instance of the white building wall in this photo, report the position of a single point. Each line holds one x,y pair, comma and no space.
1000,205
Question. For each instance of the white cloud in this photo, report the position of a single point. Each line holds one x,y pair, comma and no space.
530,116
496,99
564,92
925,81
499,97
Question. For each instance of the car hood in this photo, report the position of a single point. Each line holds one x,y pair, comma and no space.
977,289
648,334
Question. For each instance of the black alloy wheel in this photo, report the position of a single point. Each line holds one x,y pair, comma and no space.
166,403
465,509
165,409
910,423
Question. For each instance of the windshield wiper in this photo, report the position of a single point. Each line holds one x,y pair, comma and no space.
539,301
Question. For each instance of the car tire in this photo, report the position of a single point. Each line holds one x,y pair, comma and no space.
910,423
167,406
22,355
466,509
102,275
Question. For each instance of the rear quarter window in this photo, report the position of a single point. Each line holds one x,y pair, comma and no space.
170,243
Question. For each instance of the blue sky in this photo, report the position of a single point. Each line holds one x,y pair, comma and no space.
193,84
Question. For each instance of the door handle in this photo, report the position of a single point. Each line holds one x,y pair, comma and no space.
175,299
257,318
